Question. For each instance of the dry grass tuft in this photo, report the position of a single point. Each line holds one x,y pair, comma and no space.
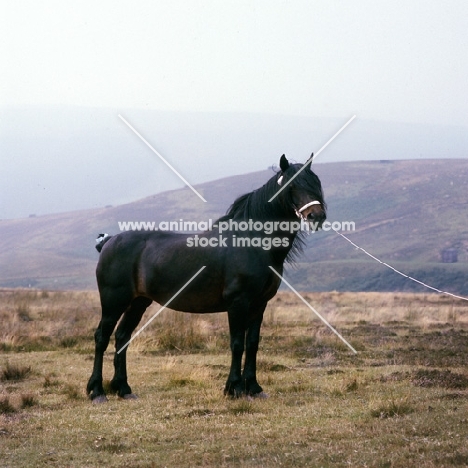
392,408
437,378
28,400
6,407
73,392
50,381
15,372
352,386
242,406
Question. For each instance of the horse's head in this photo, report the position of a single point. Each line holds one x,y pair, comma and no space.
304,192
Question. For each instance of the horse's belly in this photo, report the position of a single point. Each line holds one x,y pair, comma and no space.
194,303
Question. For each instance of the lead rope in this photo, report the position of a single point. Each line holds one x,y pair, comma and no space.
398,271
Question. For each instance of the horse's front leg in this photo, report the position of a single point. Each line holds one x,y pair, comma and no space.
237,327
250,368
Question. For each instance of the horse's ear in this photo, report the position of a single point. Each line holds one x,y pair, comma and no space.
311,158
284,163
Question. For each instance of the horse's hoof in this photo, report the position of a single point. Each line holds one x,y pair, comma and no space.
261,395
130,396
99,399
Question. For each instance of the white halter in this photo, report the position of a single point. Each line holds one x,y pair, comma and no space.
299,212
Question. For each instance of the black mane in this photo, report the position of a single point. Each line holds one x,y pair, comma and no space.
255,205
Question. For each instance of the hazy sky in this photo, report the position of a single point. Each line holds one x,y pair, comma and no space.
68,69
403,60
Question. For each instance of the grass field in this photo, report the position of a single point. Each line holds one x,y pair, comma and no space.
401,401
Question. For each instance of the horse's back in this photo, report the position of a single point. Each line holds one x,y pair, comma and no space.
120,256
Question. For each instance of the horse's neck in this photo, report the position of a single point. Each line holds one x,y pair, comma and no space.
259,208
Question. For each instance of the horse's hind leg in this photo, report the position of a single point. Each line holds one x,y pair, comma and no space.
124,331
112,310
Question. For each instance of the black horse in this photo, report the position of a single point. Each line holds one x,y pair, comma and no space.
136,268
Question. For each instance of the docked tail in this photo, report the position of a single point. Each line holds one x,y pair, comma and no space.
101,240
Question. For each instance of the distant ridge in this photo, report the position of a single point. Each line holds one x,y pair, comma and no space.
405,212
62,158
